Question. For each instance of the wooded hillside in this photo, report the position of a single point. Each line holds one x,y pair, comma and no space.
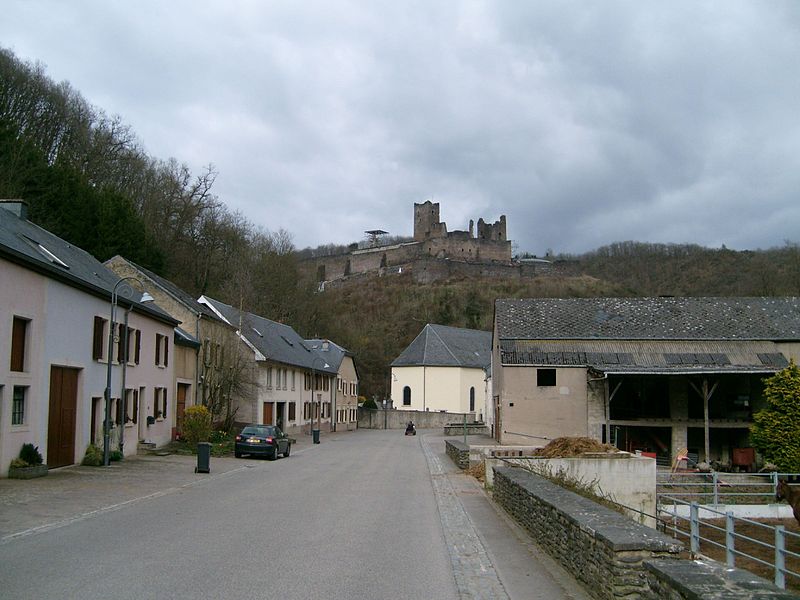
88,179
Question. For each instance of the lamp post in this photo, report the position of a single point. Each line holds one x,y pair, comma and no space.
127,291
315,433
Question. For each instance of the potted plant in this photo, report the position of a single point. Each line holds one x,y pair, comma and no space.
29,464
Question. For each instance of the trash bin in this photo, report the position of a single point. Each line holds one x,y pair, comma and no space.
315,436
203,458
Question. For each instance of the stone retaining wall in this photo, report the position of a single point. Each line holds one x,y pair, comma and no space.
458,453
601,548
392,418
611,555
472,429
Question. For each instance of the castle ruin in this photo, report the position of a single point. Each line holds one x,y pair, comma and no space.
434,254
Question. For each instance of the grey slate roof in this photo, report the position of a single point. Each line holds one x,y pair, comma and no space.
443,346
276,341
28,244
334,355
775,319
173,290
184,338
647,356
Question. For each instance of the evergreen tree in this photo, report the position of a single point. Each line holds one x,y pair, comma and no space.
776,428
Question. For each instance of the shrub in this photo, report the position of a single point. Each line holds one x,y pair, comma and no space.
776,428
30,454
93,456
369,403
196,424
219,437
114,455
18,463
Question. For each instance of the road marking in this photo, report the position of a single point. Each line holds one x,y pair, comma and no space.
114,507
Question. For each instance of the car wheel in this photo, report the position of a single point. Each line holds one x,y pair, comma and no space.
288,449
274,454
237,454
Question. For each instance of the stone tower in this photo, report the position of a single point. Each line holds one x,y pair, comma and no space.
426,220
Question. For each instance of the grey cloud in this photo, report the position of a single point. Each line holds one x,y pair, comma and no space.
583,123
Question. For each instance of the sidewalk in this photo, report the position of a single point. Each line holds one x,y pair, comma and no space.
522,568
73,493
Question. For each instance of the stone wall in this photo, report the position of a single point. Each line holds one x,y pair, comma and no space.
601,548
612,556
472,429
698,579
458,453
370,418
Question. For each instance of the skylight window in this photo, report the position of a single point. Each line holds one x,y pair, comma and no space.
257,332
46,253
287,341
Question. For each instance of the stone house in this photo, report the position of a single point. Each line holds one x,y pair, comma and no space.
294,385
206,339
345,396
445,369
55,304
659,375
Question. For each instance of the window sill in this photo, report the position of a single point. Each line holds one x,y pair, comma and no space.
130,424
20,428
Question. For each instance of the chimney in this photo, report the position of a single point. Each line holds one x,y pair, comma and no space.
325,345
18,207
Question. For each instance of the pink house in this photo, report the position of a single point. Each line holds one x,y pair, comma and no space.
54,350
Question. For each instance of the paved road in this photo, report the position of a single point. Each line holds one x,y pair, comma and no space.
369,514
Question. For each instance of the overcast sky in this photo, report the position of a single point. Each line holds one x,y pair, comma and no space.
584,123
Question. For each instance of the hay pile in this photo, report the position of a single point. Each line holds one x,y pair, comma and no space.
570,447
478,471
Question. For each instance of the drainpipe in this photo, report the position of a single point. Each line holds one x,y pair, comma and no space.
197,359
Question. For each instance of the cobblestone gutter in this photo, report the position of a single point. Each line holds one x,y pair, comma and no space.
610,554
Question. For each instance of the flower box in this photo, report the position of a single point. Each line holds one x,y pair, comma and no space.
27,472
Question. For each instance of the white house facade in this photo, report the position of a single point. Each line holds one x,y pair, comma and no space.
445,369
54,312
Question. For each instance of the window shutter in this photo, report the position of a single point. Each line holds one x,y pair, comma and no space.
164,402
120,342
166,351
119,411
135,406
158,349
97,341
18,344
138,349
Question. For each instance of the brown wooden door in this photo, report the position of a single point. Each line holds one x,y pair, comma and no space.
267,413
62,416
180,405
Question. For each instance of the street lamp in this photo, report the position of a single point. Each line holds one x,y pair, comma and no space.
315,433
126,291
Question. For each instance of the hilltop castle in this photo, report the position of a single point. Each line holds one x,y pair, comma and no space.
434,254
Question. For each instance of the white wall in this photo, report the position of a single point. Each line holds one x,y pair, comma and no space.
60,333
627,479
439,388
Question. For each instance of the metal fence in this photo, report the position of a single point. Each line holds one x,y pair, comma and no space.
691,529
720,488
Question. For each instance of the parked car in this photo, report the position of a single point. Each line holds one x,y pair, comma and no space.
262,440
